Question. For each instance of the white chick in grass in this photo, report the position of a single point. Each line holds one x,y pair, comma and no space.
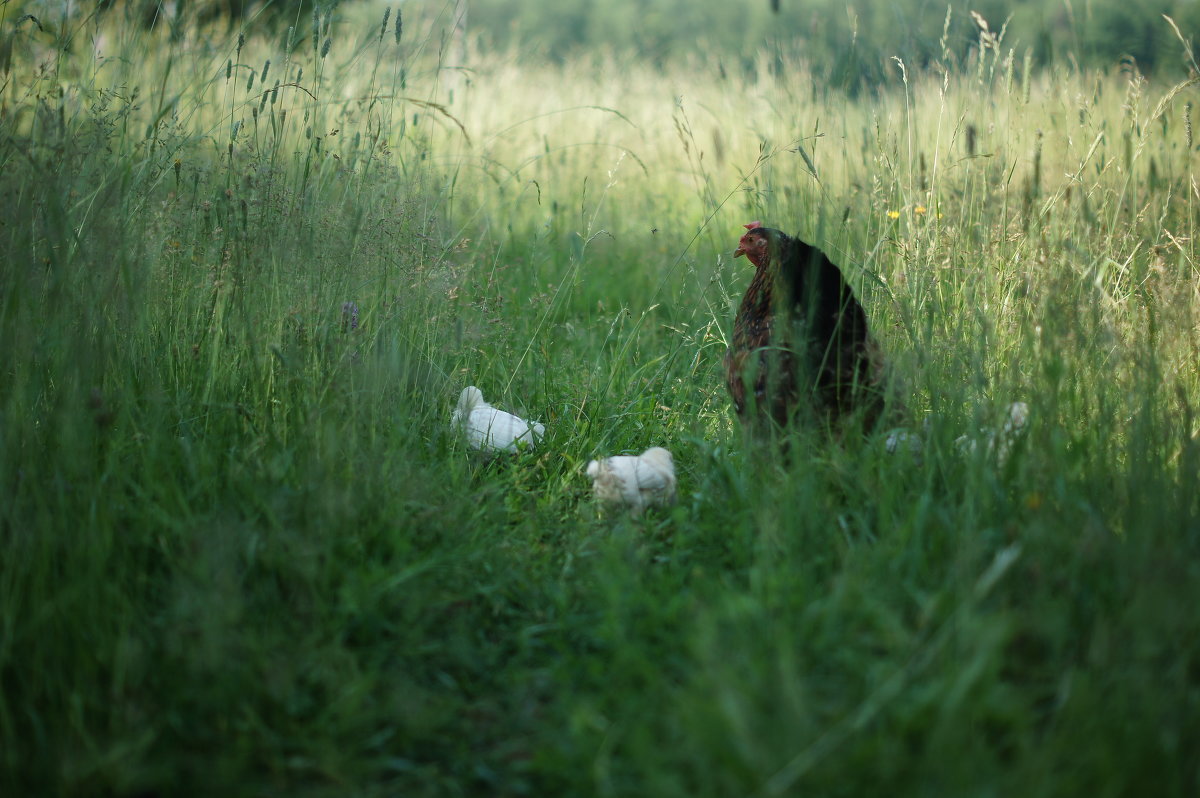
635,482
490,429
1000,441
997,442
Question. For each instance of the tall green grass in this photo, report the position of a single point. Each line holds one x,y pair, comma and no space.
244,553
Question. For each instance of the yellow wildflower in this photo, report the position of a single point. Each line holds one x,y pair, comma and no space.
893,214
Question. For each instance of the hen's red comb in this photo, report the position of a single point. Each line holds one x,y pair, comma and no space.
752,225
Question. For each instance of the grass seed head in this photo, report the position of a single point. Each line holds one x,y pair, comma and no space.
1037,164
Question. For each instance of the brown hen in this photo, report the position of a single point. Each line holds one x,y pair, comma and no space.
801,344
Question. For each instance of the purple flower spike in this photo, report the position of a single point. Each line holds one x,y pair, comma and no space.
350,316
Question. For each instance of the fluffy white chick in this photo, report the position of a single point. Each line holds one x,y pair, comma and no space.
1000,441
637,482
901,440
490,429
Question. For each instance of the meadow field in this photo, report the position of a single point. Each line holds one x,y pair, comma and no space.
245,274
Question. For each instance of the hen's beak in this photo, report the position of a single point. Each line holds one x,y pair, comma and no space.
739,252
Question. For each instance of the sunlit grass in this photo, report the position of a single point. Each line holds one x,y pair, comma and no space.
243,550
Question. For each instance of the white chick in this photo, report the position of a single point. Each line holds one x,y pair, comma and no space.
904,441
1000,442
901,440
490,429
637,482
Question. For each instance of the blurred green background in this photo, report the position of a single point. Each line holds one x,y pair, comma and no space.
853,43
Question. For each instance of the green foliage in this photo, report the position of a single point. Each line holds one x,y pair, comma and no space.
849,44
244,553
